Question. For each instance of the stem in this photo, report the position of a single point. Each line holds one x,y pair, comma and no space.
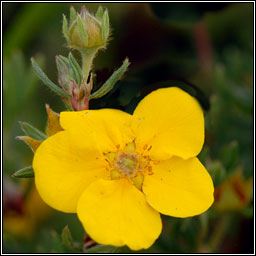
87,59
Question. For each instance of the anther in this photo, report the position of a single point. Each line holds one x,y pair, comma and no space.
107,160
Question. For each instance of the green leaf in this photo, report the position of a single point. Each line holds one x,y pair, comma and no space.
67,238
26,172
41,75
109,84
82,32
99,13
77,71
72,15
65,28
102,249
56,243
32,132
105,27
64,76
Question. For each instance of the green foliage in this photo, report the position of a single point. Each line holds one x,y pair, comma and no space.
82,31
99,13
105,26
42,76
72,15
32,132
65,28
66,237
76,69
26,172
110,83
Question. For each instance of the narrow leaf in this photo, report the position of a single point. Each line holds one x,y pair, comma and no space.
105,26
64,77
72,15
41,75
77,71
109,84
64,59
65,28
26,172
99,13
32,132
32,143
67,238
82,32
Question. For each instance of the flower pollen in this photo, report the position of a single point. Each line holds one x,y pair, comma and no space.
129,164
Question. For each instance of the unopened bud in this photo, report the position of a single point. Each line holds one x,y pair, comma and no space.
69,72
64,76
79,98
86,30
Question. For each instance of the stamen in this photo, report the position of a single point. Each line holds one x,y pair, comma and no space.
115,174
126,163
150,147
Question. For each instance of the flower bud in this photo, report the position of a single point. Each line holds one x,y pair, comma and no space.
69,72
64,76
86,30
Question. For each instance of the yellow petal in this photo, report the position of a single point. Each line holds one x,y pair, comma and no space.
171,121
179,188
114,212
109,127
63,170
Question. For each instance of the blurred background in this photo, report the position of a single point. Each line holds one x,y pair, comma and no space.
204,48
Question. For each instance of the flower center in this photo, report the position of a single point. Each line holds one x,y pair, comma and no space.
127,163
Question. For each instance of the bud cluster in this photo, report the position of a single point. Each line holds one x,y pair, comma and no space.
86,33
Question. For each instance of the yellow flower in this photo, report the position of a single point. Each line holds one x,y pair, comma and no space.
119,171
